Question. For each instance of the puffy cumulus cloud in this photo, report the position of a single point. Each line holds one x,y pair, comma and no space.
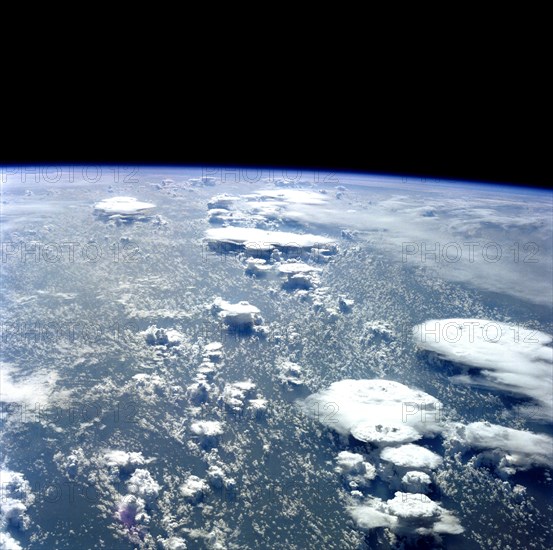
296,205
198,392
416,482
510,358
235,394
241,315
193,489
173,543
73,463
349,462
411,456
258,250
218,215
345,305
290,373
148,383
204,181
265,207
508,449
250,227
124,461
207,431
123,208
142,484
354,467
207,427
299,275
217,473
213,351
376,411
131,511
377,330
15,498
155,336
7,542
257,267
369,517
405,514
258,406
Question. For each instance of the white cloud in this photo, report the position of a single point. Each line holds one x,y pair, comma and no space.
174,543
280,239
355,468
293,267
222,201
512,450
405,514
73,462
432,220
257,266
240,315
213,351
290,373
29,389
235,394
15,498
142,484
510,357
411,456
125,206
209,428
416,482
368,517
123,460
162,337
198,392
131,510
299,274
194,488
384,434
7,542
258,405
397,413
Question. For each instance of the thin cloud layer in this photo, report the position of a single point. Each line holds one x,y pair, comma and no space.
510,358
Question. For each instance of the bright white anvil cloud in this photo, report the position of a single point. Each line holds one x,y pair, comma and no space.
377,411
262,237
125,206
239,315
411,456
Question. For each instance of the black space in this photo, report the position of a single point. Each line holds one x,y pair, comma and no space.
463,146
